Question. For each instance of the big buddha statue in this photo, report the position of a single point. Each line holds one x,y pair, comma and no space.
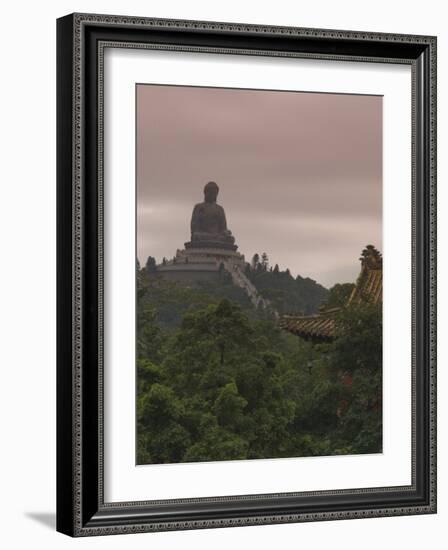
208,223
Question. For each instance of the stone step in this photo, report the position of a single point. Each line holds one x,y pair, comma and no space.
239,279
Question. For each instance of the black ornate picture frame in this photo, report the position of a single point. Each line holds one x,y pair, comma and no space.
81,507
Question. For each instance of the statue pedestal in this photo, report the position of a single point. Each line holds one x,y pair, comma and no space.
210,254
192,264
219,245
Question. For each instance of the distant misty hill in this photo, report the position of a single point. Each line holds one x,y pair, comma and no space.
172,299
286,293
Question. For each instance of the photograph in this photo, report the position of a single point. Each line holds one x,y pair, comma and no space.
259,269
246,273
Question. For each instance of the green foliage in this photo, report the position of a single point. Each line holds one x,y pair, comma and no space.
229,406
172,300
286,293
255,261
151,265
357,354
149,336
339,294
226,384
164,439
264,261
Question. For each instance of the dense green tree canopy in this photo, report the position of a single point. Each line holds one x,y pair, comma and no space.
286,293
339,294
217,381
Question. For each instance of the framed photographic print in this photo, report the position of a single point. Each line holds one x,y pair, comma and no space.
246,274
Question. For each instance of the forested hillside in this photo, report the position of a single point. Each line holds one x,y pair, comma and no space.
287,294
217,381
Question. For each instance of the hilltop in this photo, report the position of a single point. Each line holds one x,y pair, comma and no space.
283,293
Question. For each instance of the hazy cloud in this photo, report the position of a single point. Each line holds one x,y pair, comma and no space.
300,174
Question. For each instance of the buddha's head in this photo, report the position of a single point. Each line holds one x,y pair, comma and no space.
211,191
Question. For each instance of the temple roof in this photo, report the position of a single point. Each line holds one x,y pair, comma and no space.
368,289
319,327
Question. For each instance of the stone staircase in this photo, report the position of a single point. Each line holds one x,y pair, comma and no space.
240,279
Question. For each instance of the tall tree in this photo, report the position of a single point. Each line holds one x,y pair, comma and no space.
255,261
264,261
151,265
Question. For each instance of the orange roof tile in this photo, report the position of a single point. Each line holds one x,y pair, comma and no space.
368,289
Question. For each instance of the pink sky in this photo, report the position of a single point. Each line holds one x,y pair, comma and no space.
300,174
